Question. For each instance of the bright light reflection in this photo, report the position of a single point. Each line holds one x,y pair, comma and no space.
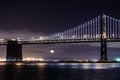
2,63
99,65
41,65
62,64
85,65
18,64
74,65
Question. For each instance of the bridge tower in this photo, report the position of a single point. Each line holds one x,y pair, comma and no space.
103,54
14,51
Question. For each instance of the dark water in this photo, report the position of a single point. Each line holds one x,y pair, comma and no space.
59,71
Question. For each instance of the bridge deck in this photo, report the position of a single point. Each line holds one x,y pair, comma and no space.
61,41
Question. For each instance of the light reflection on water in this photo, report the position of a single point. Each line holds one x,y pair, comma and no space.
60,71
82,65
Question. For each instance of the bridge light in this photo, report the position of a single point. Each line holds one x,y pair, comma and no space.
112,35
18,39
73,36
85,36
61,37
41,38
104,35
97,36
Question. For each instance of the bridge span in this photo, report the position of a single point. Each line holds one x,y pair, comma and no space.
101,29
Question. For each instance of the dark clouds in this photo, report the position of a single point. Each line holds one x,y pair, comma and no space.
52,16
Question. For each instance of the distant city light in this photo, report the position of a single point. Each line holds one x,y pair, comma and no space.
1,39
18,39
117,59
33,59
13,39
2,59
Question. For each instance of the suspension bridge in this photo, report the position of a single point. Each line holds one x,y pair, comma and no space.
101,29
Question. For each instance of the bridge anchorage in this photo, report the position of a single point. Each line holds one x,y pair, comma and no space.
101,29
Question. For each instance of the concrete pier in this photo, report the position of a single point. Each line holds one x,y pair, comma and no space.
14,51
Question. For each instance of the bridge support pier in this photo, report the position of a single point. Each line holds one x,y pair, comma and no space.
103,54
14,51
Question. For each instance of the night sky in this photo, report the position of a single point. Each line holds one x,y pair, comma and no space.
33,18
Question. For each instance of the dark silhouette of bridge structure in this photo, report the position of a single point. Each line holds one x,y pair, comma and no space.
101,29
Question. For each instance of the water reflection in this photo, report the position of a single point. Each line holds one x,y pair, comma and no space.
59,71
